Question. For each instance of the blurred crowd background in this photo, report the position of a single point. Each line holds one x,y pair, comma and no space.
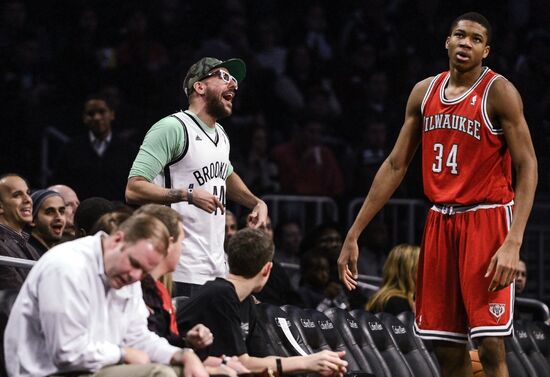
324,96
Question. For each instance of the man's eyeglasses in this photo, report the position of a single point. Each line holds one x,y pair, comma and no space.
225,76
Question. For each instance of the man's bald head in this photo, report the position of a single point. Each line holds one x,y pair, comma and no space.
15,202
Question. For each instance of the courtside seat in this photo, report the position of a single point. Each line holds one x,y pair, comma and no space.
337,343
312,331
375,333
320,334
540,333
530,348
364,352
518,362
403,340
424,346
278,339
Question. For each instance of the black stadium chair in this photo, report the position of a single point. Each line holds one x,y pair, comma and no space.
337,343
349,329
530,348
424,346
540,333
277,341
313,336
375,333
402,339
320,334
518,362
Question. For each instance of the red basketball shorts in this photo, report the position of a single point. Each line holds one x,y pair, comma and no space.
452,298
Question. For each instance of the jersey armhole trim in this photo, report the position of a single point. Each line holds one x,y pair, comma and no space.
167,177
427,94
485,114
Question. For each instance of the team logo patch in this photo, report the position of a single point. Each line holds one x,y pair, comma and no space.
497,310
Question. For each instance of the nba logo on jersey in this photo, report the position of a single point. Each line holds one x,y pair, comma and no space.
497,310
474,99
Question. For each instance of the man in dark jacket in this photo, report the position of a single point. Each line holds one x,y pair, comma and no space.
96,163
15,215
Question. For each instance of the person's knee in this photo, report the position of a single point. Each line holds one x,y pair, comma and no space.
491,351
452,356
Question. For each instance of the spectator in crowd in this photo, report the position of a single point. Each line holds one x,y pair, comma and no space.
325,240
96,163
306,165
88,212
48,214
226,306
184,161
287,242
15,216
109,222
258,170
99,323
371,152
71,204
316,290
521,279
396,293
162,318
162,314
278,290
374,249
230,225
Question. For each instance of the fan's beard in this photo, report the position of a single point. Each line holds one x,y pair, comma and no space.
215,107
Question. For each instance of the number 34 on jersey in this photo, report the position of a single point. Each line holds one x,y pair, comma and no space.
445,158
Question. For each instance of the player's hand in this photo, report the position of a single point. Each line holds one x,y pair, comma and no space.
258,217
327,363
199,336
505,264
347,263
206,201
135,356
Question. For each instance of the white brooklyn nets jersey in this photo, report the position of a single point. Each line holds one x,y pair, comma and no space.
204,163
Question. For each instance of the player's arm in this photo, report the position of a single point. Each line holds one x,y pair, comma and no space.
506,109
239,192
387,179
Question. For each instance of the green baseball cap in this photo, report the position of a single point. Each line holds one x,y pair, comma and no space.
236,68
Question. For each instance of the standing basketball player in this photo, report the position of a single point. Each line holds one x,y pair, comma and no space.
469,121
184,162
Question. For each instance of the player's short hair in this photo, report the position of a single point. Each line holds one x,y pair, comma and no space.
146,227
248,251
475,17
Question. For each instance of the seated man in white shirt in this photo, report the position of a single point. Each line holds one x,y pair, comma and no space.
80,310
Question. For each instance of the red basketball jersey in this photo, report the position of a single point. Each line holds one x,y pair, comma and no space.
465,158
